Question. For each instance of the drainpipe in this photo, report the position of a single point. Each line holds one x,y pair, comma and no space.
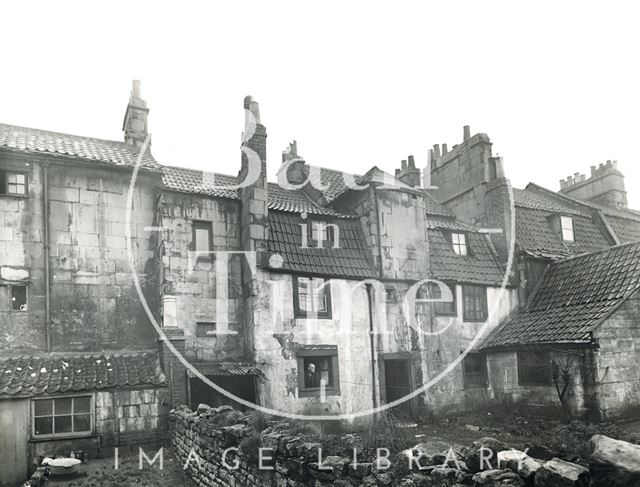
379,225
47,274
370,301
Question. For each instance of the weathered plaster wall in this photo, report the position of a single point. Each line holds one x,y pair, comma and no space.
194,283
618,374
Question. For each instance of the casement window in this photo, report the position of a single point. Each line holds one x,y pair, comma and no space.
19,298
202,239
205,329
534,368
13,183
322,233
442,308
311,296
566,228
474,367
474,300
459,243
318,371
62,416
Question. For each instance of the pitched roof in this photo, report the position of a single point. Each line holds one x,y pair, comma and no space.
75,146
351,259
296,201
199,182
56,373
574,297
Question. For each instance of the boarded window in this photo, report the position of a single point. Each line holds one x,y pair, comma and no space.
534,368
474,302
63,416
312,296
318,371
202,238
205,329
475,370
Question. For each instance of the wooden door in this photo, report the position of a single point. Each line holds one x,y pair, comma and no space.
14,421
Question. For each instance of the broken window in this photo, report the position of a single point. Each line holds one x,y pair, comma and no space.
566,227
312,295
442,308
459,243
14,183
19,298
62,416
474,303
474,368
318,371
205,329
202,239
534,368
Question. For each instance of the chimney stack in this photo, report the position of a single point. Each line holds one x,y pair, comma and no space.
135,118
408,173
444,149
466,135
605,185
436,151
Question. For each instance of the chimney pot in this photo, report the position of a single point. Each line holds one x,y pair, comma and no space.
466,130
576,176
593,171
403,164
562,184
436,151
444,149
411,162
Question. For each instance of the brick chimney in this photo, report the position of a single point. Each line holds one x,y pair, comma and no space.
135,118
408,173
293,164
605,185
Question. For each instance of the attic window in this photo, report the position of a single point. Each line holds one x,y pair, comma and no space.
459,243
566,227
323,234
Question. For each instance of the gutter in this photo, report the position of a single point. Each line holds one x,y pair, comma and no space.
372,335
47,270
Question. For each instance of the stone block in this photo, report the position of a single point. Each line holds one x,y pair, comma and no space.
14,273
614,463
559,473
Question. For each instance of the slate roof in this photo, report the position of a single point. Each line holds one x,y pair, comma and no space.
55,373
352,259
110,152
574,297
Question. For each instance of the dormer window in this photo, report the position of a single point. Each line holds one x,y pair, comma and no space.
459,243
322,234
566,228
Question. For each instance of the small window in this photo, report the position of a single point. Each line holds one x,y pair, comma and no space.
323,234
205,329
534,368
312,295
475,303
318,371
459,243
566,226
475,370
63,416
390,295
13,183
442,308
19,298
202,239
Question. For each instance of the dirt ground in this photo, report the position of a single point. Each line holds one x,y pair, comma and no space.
102,473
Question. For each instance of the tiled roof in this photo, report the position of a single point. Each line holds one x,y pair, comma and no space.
199,182
226,368
352,259
54,373
334,182
626,229
296,201
478,267
574,297
43,141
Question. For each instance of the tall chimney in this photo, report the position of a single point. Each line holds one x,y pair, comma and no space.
135,118
444,149
466,133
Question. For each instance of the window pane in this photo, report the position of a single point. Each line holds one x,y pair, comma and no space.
19,298
81,404
202,240
12,177
63,406
318,370
20,178
82,422
43,426
43,407
62,424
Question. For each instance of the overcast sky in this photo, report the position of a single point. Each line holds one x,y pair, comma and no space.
554,84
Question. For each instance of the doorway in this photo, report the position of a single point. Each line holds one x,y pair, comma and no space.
242,386
397,382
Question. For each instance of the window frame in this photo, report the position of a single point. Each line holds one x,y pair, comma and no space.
72,434
318,351
525,365
26,298
202,225
304,314
4,190
568,218
438,305
205,324
465,312
327,227
483,374
464,245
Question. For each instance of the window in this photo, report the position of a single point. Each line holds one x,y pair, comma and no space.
474,368
19,298
390,295
475,303
13,183
442,308
63,416
566,227
323,234
318,371
459,243
205,329
312,295
534,368
202,238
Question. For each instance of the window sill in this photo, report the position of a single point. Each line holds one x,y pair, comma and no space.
318,317
11,195
316,392
446,315
69,436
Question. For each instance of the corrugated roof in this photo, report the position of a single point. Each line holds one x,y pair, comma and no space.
111,152
56,373
574,297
